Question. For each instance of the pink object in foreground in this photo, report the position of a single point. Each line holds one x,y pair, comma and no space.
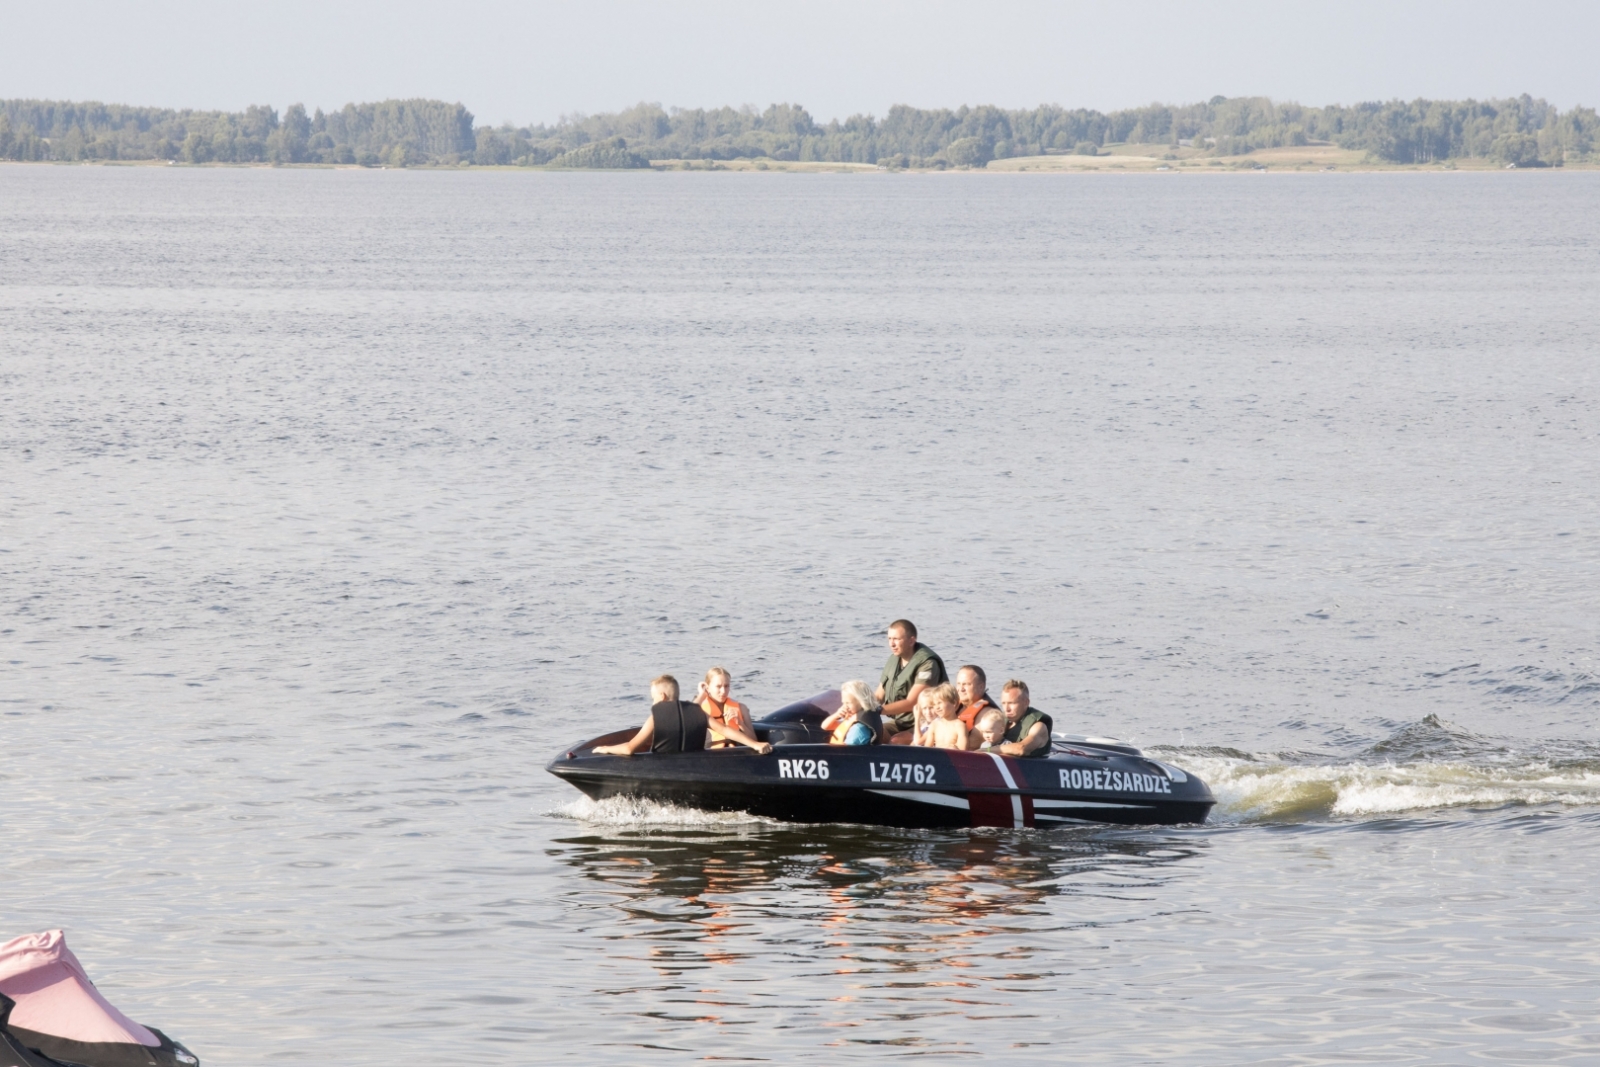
55,996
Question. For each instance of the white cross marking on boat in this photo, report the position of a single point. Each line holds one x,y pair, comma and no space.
924,797
1011,783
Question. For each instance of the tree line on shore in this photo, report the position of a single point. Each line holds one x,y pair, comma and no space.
1520,130
398,132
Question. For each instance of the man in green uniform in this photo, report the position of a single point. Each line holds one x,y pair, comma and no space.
1027,728
912,667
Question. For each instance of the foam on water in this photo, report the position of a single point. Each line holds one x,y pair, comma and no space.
1268,789
631,811
1428,765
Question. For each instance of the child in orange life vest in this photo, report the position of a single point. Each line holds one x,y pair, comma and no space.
938,723
856,705
721,709
991,728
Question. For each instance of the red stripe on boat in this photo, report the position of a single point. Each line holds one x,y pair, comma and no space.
991,809
981,770
976,770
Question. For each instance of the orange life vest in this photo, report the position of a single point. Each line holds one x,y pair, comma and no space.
969,714
842,729
733,715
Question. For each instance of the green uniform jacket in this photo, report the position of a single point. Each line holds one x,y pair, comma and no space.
1024,724
897,681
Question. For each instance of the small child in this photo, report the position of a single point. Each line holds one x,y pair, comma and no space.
855,723
923,716
991,726
944,729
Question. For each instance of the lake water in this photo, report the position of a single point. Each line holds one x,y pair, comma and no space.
334,504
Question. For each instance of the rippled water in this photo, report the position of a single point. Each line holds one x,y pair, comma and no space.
332,504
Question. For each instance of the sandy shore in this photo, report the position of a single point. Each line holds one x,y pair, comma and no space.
1137,158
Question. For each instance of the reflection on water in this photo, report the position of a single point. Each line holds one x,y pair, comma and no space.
1302,942
890,928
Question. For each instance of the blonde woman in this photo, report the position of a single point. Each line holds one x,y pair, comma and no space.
722,709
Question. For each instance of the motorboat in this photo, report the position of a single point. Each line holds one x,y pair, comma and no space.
806,779
52,1015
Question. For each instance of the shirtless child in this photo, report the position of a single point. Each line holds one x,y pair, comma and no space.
944,728
990,729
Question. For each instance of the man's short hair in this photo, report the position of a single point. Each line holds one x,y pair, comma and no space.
983,679
907,625
1016,683
665,686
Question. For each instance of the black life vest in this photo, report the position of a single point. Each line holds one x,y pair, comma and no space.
679,727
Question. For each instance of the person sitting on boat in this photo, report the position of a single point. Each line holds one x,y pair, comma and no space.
676,726
944,728
1027,728
921,720
720,708
856,708
973,686
911,668
990,732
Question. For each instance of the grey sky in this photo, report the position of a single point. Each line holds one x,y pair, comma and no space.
530,62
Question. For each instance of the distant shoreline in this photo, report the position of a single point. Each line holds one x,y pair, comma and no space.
1223,132
1269,161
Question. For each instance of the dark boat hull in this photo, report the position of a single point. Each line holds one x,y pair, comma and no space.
897,785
